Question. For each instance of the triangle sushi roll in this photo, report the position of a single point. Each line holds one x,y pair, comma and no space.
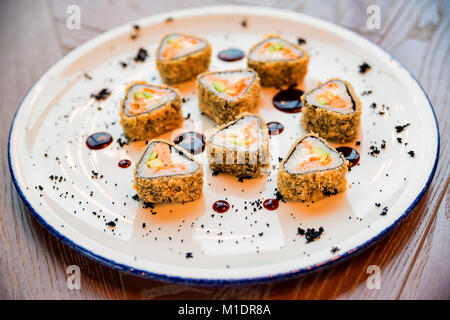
240,147
278,62
223,95
311,170
167,173
149,110
181,57
333,110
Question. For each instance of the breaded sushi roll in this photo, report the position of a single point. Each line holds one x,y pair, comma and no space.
149,110
223,95
181,57
311,170
167,173
333,110
278,62
240,147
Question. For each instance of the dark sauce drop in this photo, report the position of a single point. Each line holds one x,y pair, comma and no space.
193,142
99,140
275,128
221,206
271,204
350,154
124,163
230,55
288,100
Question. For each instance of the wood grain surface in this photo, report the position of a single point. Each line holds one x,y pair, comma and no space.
414,259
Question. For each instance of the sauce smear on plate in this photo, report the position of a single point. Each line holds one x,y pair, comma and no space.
288,100
350,154
99,140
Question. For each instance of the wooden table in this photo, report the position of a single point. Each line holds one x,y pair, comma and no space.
413,259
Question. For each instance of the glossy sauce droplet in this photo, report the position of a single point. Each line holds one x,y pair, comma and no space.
230,55
124,163
275,128
221,206
193,142
288,100
350,154
271,204
99,140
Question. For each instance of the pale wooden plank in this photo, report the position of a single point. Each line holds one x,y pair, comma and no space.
348,279
115,13
33,263
435,258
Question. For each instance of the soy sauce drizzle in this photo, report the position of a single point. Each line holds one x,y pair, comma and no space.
221,206
124,163
193,142
230,55
350,154
275,128
99,140
271,204
288,100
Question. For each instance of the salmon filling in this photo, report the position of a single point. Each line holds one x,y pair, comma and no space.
313,157
273,47
332,95
176,45
229,87
161,160
246,136
145,97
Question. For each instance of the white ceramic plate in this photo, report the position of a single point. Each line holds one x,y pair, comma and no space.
56,116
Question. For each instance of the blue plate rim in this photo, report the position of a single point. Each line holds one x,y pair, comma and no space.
228,282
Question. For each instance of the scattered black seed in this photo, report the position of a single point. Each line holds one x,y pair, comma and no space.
102,94
135,197
244,23
188,116
366,93
87,76
401,127
384,211
123,64
374,151
189,255
312,234
278,196
111,224
377,204
358,143
383,144
141,55
280,159
334,250
363,68
301,41
411,153
241,179
328,193
373,105
169,19
399,140
122,141
136,27
147,205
